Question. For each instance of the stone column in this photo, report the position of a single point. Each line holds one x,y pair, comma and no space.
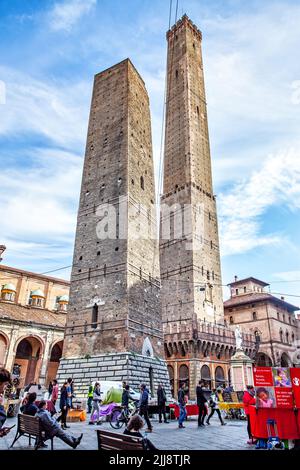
11,353
45,358
241,370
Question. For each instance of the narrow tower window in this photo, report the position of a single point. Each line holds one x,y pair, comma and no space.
94,316
142,182
176,74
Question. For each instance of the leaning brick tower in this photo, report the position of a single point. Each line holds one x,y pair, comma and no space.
189,252
114,325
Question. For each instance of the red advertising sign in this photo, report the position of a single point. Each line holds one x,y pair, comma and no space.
295,378
284,397
263,377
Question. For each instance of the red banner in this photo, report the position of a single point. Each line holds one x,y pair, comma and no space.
263,377
295,377
284,397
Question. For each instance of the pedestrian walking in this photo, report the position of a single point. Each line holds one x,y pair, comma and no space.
63,405
54,395
248,400
90,398
96,404
182,406
50,388
201,402
144,406
161,403
214,407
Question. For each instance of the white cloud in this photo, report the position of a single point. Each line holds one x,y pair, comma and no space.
240,209
55,110
288,276
67,14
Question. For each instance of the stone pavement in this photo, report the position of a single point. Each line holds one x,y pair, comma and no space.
233,436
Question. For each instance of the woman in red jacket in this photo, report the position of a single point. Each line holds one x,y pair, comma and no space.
249,399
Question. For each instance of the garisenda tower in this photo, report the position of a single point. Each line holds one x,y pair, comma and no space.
114,323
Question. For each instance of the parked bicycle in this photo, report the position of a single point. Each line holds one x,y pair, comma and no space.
121,416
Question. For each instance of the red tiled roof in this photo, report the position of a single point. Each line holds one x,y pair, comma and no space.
257,297
33,315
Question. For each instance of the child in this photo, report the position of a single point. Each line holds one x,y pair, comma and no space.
263,398
281,379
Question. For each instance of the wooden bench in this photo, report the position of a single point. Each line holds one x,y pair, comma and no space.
30,426
114,441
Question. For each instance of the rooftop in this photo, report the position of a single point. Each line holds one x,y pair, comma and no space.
248,279
17,271
255,297
39,316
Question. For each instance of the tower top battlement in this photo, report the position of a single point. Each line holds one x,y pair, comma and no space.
184,21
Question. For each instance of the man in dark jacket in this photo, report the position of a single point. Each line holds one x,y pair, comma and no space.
29,408
182,404
161,402
52,428
125,399
201,402
144,406
5,379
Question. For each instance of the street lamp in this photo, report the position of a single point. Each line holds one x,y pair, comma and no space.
2,249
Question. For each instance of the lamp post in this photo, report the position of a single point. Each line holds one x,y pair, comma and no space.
2,249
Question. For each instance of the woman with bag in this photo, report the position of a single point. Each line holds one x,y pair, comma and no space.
214,407
96,404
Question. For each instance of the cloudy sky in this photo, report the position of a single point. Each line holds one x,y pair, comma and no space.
49,52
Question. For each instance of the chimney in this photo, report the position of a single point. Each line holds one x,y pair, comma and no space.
235,278
282,298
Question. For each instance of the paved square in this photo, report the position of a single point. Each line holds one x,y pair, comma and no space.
233,436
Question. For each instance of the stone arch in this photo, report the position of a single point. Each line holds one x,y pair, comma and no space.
206,375
285,360
4,345
29,350
263,360
54,359
219,376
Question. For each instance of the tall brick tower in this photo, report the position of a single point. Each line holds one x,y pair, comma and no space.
189,258
114,325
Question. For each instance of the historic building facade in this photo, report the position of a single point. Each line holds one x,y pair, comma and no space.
114,326
32,321
197,344
269,318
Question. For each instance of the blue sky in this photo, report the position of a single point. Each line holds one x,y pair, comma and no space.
49,52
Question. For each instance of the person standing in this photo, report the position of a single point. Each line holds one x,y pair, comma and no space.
248,400
144,406
125,399
182,406
5,379
90,398
96,404
50,388
161,403
63,404
214,407
54,395
70,391
201,403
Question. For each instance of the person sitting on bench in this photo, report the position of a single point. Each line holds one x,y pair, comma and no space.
29,408
133,429
53,429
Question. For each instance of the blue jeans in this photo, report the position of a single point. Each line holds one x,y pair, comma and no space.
182,414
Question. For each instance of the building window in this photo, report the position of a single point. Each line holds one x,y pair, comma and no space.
245,289
254,316
278,316
293,337
95,316
236,292
231,320
287,335
281,336
142,182
176,73
283,318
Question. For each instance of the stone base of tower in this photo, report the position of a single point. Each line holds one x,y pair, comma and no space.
132,368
